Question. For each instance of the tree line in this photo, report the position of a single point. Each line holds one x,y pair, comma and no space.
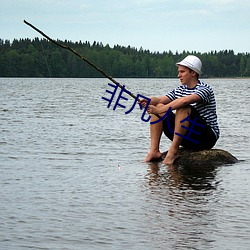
40,58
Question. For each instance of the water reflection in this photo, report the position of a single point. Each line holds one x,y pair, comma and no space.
183,197
183,177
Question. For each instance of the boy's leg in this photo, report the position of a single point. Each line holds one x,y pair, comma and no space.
173,151
155,137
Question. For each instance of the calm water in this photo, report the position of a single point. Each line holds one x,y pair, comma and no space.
72,176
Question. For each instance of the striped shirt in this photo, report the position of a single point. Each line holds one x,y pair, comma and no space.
206,108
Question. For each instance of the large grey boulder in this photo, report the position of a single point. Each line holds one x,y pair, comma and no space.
213,157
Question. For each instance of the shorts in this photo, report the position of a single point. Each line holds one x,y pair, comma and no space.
205,140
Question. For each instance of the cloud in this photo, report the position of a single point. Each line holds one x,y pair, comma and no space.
222,2
225,5
149,2
84,6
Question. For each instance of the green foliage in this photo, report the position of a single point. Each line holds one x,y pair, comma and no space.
41,58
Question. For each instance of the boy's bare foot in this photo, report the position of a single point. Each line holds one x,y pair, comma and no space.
153,156
170,157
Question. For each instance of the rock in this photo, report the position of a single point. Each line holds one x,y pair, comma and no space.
213,157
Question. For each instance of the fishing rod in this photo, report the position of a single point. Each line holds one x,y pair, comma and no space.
80,56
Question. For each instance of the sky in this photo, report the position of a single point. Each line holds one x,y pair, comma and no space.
155,25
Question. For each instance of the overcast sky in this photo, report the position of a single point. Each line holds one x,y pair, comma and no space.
157,25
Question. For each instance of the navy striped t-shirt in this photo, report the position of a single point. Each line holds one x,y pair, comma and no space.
206,108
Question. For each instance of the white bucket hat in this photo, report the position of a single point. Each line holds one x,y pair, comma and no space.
191,62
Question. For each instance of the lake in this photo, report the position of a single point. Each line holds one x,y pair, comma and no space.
72,173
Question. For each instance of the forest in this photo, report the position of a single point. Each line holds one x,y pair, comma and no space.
41,58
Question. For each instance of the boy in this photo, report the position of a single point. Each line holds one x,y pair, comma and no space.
194,124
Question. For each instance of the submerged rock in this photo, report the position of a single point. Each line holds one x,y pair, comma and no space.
204,157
